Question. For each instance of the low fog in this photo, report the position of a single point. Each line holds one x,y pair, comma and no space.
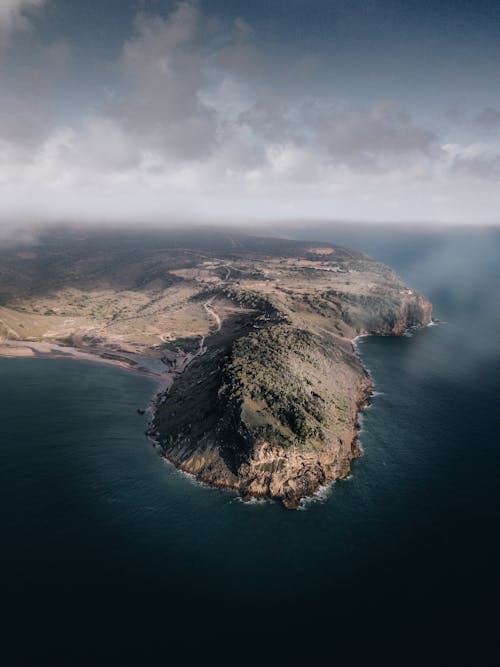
457,268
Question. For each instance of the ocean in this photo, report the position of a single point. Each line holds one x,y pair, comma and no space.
111,556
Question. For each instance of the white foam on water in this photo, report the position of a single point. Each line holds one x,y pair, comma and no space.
322,494
252,502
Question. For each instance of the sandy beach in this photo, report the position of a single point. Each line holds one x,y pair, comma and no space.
151,366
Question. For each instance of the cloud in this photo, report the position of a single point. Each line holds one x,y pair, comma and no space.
21,125
368,138
162,75
192,121
479,160
489,118
15,15
483,166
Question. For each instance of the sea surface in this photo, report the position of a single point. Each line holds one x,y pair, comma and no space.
110,556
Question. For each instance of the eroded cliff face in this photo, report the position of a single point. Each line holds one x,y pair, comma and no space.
289,475
275,411
414,311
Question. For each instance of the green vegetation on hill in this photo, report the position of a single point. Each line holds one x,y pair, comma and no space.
277,404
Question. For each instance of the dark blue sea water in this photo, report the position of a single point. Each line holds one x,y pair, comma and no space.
110,556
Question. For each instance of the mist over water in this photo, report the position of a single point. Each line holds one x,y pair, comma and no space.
105,544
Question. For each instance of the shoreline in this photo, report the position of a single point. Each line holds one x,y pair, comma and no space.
49,350
324,491
364,398
28,349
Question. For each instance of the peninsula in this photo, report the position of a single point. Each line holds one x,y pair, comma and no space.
252,340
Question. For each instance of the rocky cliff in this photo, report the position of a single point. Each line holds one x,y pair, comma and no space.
271,409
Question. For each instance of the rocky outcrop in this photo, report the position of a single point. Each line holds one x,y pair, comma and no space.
289,475
245,450
414,311
268,471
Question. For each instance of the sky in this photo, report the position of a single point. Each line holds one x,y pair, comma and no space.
152,111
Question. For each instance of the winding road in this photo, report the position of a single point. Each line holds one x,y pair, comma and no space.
212,313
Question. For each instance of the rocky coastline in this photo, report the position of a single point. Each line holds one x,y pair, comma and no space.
252,341
272,472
